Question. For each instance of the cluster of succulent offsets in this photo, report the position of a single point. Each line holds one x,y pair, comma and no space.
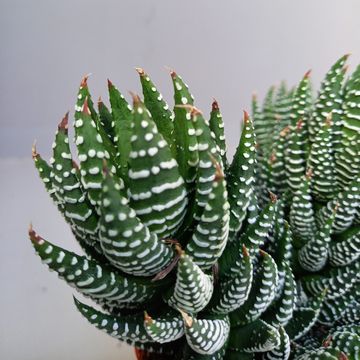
189,256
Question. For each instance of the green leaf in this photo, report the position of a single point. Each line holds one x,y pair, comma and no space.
231,294
184,132
206,336
346,203
241,177
257,336
128,328
217,127
193,288
90,277
210,235
329,100
122,116
261,295
156,188
164,329
282,351
314,254
281,310
158,108
348,154
126,241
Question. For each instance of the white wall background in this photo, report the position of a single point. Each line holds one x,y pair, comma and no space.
225,49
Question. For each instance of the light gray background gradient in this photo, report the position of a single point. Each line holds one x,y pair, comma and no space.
223,49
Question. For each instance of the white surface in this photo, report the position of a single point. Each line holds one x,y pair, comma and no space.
38,318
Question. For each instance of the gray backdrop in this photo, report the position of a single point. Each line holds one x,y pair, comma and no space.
223,49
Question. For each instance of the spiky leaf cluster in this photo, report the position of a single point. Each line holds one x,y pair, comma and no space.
192,257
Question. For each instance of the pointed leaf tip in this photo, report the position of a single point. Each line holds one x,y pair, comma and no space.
188,320
136,99
34,153
110,84
285,131
147,318
245,251
246,116
105,168
173,74
272,157
215,105
86,109
328,119
273,197
64,123
299,124
34,237
84,80
75,165
307,74
179,250
309,173
262,252
195,111
100,101
140,71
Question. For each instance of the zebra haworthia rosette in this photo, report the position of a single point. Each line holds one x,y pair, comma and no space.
186,255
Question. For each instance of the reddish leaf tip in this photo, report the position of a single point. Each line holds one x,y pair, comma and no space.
307,74
86,109
272,157
34,237
273,197
309,173
64,123
246,117
262,252
179,250
34,153
135,98
245,251
140,71
188,320
147,318
285,131
84,80
215,105
110,84
299,124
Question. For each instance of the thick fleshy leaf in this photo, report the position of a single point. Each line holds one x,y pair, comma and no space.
184,132
261,294
211,233
206,336
122,116
217,127
257,336
231,294
158,108
126,241
164,329
241,178
128,328
156,188
90,277
282,351
193,288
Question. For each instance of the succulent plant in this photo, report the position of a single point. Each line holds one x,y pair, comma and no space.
189,256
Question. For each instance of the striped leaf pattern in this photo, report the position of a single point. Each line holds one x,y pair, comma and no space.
186,256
